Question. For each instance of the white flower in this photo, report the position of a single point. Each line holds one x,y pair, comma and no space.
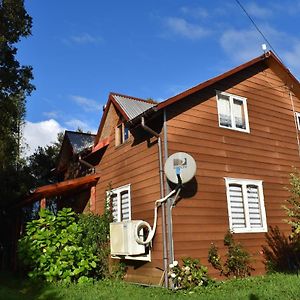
175,263
173,275
171,266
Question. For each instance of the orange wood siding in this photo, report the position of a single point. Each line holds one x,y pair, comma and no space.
267,153
135,164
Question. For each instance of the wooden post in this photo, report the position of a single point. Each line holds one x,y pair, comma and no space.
93,199
43,203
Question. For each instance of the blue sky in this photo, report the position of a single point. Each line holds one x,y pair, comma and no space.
82,50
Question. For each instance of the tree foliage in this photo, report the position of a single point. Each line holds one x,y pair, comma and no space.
40,165
15,85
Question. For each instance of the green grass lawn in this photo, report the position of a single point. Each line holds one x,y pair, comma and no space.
277,286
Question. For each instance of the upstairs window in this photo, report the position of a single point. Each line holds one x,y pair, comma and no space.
122,134
246,208
232,112
120,203
297,115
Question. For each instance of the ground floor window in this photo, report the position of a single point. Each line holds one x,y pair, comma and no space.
120,202
246,207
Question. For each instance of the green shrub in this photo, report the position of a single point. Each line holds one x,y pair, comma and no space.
282,253
52,250
192,274
237,262
96,238
293,207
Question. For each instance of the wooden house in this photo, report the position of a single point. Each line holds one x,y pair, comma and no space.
241,127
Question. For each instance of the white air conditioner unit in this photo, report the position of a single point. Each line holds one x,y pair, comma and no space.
122,239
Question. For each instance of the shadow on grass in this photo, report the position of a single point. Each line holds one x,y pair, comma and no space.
253,297
13,287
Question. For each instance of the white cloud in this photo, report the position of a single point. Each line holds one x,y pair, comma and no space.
84,38
258,11
186,29
51,114
291,57
87,104
196,12
241,45
39,134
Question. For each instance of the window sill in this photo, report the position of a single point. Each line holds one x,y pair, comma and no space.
249,230
123,144
235,129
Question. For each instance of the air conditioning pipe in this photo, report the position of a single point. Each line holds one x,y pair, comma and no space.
143,224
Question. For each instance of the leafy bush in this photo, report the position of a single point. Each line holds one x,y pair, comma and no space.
237,262
192,274
280,253
51,248
293,207
96,238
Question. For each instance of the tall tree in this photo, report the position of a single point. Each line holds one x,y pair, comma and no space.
15,85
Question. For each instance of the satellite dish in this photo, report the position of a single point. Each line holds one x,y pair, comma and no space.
180,163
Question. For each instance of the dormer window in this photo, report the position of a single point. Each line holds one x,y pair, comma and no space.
232,112
122,134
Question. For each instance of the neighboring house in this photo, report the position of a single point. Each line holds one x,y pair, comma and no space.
77,177
241,128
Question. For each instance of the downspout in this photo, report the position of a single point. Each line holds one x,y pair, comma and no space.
169,203
163,210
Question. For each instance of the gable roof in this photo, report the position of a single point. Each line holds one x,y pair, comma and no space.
131,107
79,140
132,113
268,58
73,143
128,106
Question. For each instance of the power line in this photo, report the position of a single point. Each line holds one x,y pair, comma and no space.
257,28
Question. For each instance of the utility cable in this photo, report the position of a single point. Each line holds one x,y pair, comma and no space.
257,28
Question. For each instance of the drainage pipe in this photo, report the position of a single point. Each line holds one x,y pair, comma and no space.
169,203
163,210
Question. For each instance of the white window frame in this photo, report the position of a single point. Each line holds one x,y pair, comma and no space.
118,192
120,134
231,98
244,183
297,115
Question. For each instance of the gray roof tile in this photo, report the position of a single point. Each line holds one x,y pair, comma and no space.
132,107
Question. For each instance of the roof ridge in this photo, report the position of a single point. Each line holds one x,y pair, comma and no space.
133,98
77,132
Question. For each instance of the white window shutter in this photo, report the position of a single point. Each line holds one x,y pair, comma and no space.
238,219
125,206
114,206
254,206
